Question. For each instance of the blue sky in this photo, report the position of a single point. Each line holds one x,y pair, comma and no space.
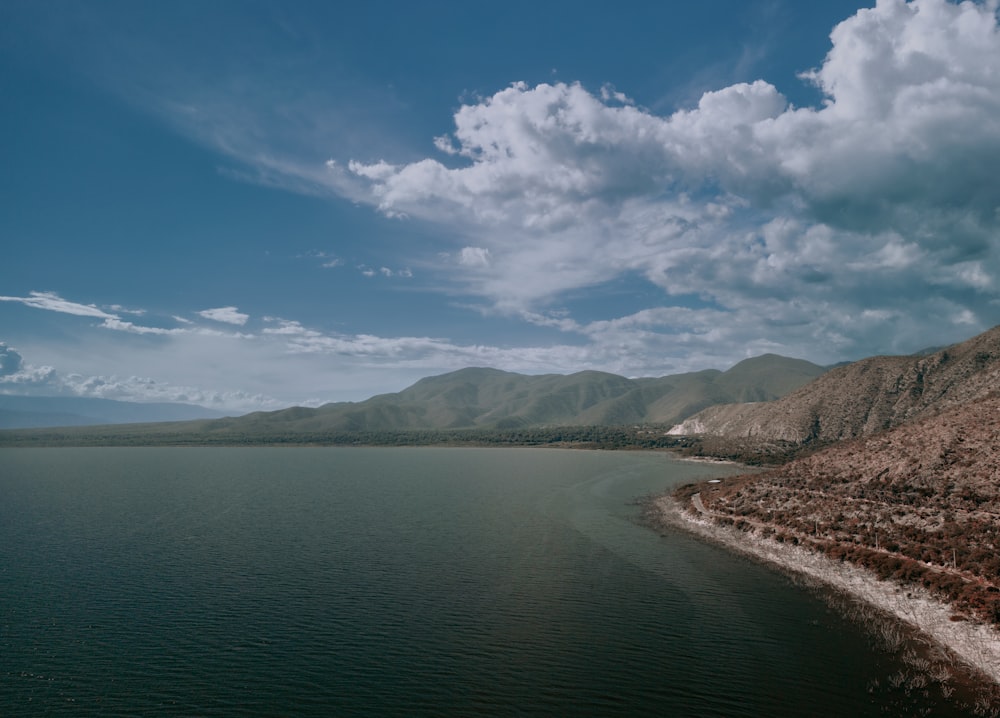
257,204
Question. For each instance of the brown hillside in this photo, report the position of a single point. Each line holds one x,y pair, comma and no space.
864,397
919,503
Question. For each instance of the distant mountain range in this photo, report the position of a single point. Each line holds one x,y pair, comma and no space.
862,398
494,399
472,398
23,412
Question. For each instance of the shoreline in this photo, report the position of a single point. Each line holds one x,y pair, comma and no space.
710,460
975,645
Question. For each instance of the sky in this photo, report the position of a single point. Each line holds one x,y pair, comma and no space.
255,204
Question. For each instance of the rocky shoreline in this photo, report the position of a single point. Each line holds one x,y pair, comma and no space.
974,644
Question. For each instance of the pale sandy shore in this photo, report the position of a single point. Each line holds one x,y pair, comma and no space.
705,460
975,644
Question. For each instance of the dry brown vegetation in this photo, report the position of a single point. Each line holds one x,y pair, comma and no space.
863,398
919,504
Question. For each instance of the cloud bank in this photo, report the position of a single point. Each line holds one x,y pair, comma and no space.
879,208
16,376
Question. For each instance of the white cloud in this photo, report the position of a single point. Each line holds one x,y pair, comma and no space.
405,273
227,315
11,361
30,378
387,272
327,260
287,362
883,198
145,389
119,309
17,376
474,257
20,377
124,326
54,303
51,301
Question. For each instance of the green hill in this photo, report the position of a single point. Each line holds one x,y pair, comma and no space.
490,399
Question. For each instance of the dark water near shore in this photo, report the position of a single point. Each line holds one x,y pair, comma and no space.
318,582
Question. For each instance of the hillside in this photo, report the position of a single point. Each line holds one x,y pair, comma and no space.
919,504
862,398
490,398
899,502
477,400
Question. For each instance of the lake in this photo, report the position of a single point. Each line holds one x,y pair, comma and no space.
403,581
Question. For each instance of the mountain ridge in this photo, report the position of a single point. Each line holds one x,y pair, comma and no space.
918,503
861,398
492,399
479,397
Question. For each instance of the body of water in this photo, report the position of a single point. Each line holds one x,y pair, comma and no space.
409,581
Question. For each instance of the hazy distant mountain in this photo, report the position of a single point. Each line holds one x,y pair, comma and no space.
24,412
864,397
490,398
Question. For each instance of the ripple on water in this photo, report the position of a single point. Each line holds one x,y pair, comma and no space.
305,582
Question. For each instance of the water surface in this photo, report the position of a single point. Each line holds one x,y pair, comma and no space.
416,581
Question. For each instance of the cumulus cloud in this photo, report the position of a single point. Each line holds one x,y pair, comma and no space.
227,315
884,197
11,361
18,376
145,389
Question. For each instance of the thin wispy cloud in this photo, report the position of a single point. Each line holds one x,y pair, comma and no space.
52,302
119,309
